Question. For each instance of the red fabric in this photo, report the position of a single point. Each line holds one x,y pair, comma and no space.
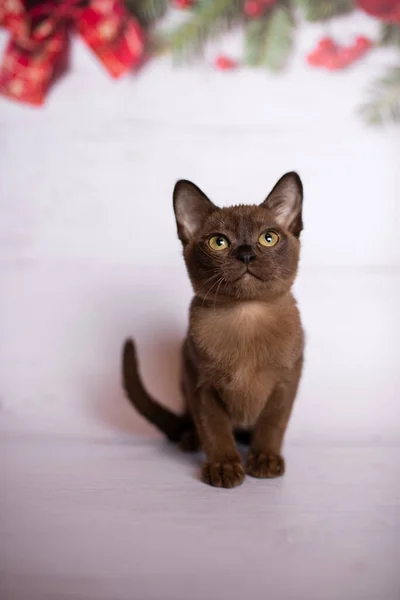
39,38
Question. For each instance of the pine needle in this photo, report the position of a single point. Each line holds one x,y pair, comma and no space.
147,11
256,31
384,106
390,35
321,10
208,19
278,39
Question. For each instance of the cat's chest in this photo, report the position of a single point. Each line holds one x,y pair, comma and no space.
240,341
240,363
244,352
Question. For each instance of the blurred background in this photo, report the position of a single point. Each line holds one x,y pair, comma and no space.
104,106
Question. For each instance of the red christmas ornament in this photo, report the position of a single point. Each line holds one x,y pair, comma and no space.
225,63
253,8
183,4
387,10
39,39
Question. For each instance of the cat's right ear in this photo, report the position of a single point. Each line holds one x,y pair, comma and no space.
191,207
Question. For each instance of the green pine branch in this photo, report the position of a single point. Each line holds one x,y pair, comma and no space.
321,10
147,11
208,19
278,40
384,104
256,32
269,39
390,35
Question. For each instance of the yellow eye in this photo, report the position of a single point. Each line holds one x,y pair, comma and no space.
218,242
268,238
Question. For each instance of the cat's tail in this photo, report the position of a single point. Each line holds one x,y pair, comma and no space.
172,425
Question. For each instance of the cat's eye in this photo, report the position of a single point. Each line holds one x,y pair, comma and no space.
268,238
218,242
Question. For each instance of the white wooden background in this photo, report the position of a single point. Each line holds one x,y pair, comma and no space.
88,255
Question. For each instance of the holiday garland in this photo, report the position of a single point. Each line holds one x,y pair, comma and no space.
269,30
114,30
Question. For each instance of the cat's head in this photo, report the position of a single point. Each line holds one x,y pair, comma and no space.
241,252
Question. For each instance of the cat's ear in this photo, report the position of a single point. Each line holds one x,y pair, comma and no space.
191,208
286,202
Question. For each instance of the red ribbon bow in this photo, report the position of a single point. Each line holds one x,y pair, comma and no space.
39,40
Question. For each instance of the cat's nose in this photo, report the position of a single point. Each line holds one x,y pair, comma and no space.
245,254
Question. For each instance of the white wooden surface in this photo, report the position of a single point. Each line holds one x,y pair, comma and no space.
92,504
129,520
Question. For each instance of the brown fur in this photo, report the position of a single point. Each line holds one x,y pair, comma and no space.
242,358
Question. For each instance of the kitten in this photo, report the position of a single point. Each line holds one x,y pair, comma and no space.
242,358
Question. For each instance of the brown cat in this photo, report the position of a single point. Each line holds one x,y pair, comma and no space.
243,355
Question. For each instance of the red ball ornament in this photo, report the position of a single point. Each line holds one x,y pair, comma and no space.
387,10
225,63
253,8
183,4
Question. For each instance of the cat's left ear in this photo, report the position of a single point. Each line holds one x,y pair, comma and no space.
286,203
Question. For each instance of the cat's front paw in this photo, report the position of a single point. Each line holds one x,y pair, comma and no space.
265,465
227,474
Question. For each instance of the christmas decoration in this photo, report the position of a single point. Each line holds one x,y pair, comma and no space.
183,4
390,35
387,10
39,38
253,8
148,12
330,55
384,103
270,26
39,35
225,63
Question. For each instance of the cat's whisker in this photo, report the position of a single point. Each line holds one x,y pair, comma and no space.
213,285
216,293
209,279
